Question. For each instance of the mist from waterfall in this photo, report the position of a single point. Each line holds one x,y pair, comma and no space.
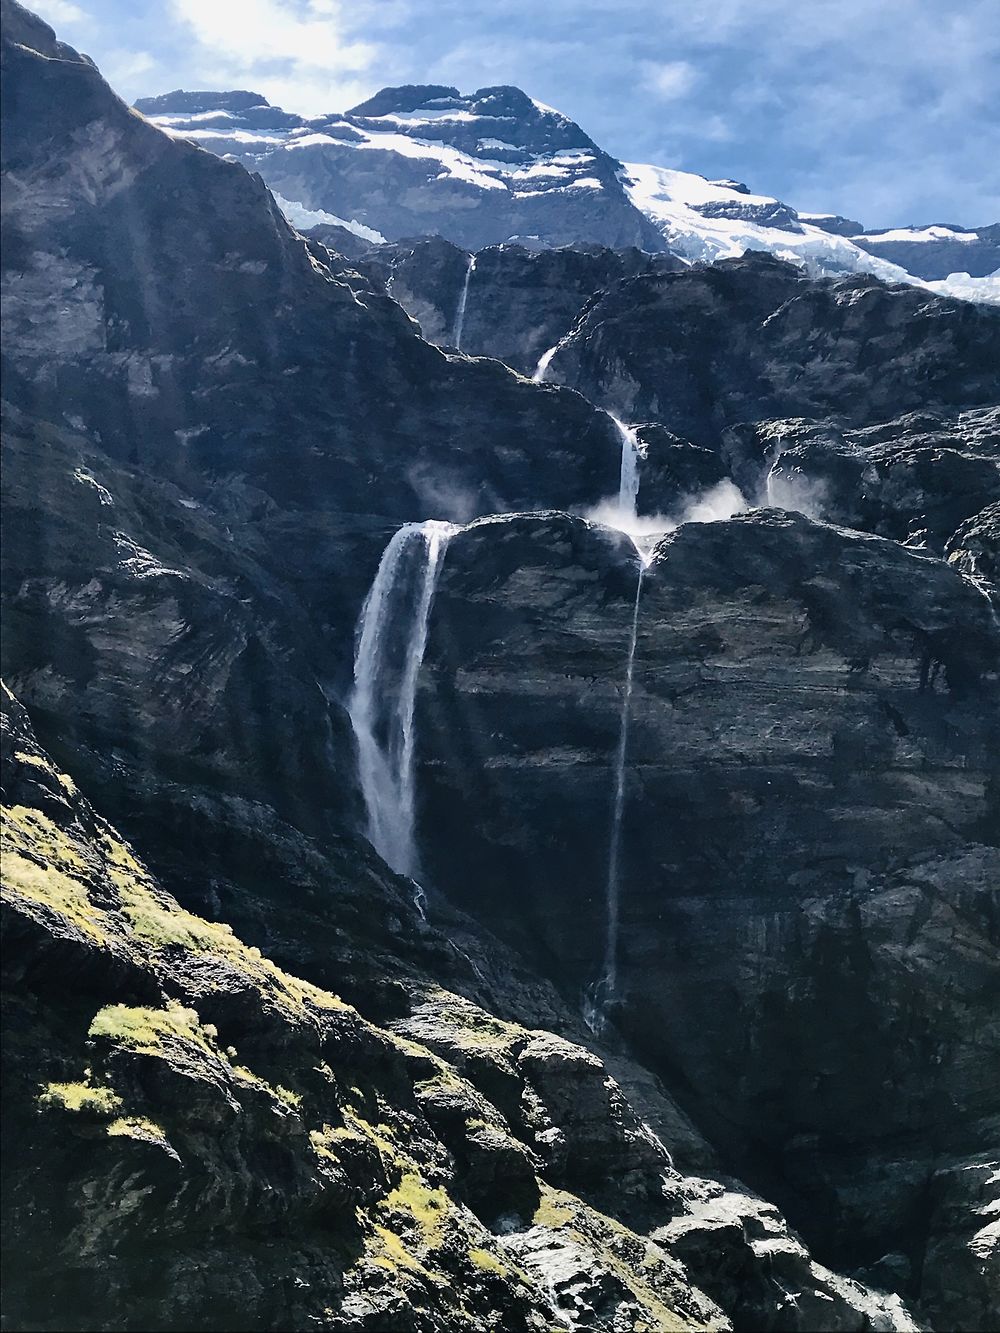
601,994
383,702
541,370
463,301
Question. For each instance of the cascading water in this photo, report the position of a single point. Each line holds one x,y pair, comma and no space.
628,477
543,363
769,496
601,994
383,717
463,300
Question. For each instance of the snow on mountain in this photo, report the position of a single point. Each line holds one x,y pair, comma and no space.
479,169
941,250
496,165
709,220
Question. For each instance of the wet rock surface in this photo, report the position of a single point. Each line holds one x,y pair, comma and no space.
753,338
809,828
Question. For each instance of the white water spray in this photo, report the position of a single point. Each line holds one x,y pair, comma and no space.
463,301
773,461
601,994
383,720
544,361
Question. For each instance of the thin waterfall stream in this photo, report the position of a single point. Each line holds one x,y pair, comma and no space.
601,994
463,301
383,717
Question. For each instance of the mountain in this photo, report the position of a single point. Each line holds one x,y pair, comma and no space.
496,166
937,251
469,861
488,167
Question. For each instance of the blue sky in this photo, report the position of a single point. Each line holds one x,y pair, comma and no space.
884,110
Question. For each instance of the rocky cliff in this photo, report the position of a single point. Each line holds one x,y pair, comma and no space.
688,1019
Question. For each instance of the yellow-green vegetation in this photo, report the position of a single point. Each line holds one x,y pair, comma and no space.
489,1262
386,1250
468,1026
42,864
323,1141
293,1100
40,762
80,1097
135,1127
552,1211
427,1206
148,1031
246,1077
160,922
46,864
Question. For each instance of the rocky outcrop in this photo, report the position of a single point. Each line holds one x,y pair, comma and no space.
520,302
809,829
206,1140
917,478
753,339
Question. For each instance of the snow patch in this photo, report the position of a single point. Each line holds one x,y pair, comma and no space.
303,218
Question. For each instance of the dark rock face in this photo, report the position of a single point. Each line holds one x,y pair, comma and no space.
915,479
936,252
519,302
751,339
809,786
835,224
441,1169
975,547
154,352
268,447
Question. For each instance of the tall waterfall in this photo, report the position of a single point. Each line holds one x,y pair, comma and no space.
628,479
601,994
391,639
543,363
463,300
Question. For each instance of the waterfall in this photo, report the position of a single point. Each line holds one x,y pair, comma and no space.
628,477
383,718
772,462
543,363
463,299
600,995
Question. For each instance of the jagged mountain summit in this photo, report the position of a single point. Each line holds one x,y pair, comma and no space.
496,165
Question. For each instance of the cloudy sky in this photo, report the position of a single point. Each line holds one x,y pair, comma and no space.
884,110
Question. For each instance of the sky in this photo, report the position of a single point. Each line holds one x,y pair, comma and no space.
887,111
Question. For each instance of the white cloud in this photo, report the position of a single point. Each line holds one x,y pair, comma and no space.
261,30
299,53
59,12
671,80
